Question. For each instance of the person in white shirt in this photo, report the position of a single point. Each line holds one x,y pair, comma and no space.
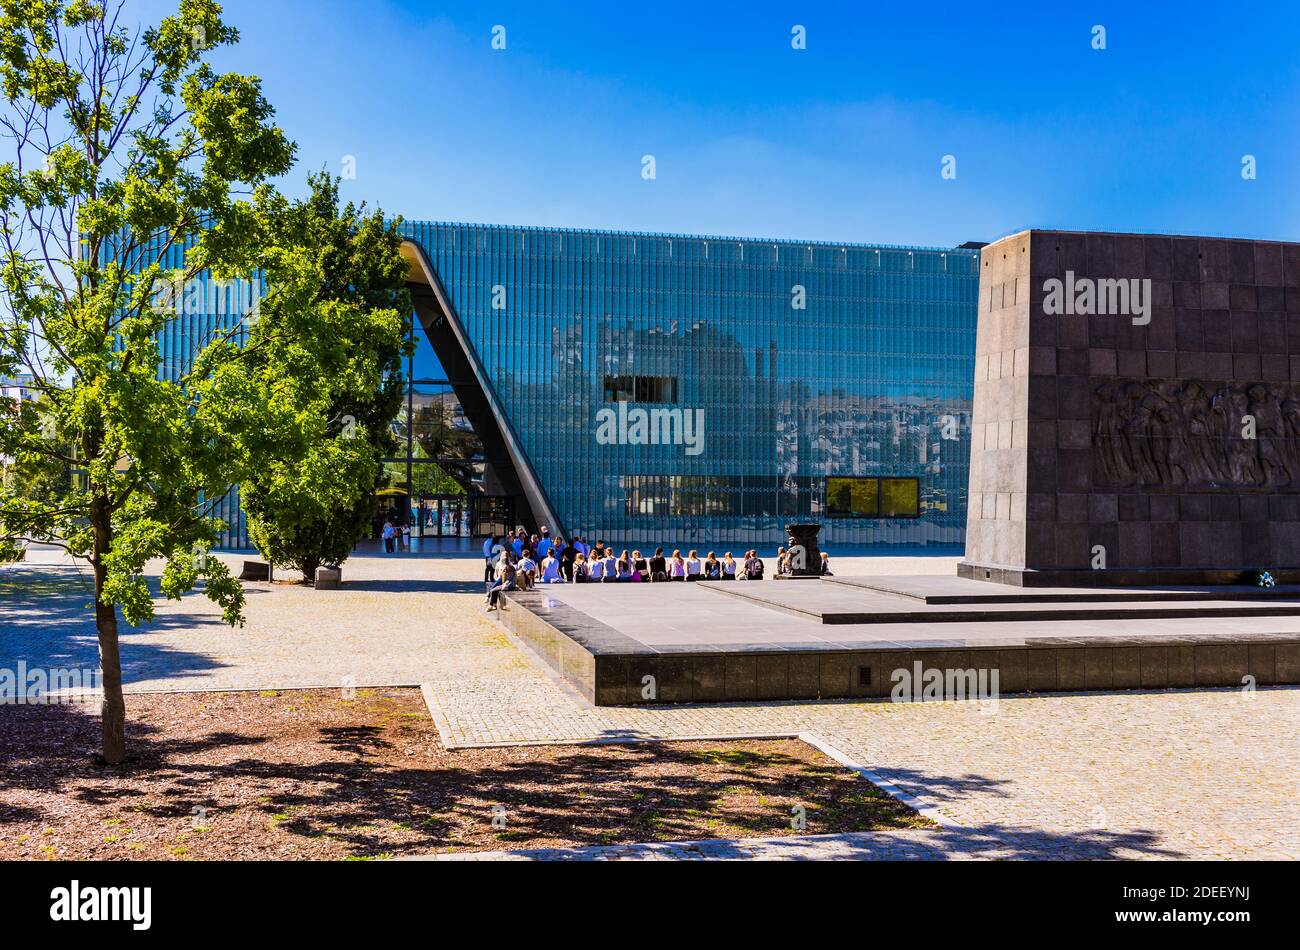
611,567
527,569
596,570
693,566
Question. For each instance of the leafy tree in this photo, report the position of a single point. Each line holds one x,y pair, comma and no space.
131,165
310,509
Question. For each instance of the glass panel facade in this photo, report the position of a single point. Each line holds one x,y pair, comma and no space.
699,390
684,390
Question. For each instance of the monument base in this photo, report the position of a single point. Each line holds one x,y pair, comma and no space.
1122,577
727,643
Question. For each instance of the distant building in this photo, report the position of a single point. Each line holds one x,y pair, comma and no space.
17,387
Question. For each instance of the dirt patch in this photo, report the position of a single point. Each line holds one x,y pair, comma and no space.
312,775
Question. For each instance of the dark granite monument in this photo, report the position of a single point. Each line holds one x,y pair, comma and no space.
1137,411
805,553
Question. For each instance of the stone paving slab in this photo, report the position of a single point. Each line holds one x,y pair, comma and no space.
848,604
1194,773
851,846
946,589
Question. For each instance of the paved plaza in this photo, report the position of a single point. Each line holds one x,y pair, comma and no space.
1191,773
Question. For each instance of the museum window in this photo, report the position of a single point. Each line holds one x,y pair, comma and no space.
873,497
640,388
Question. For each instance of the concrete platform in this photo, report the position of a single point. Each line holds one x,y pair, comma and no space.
700,645
949,589
894,602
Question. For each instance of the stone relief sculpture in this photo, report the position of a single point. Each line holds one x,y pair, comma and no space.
1193,434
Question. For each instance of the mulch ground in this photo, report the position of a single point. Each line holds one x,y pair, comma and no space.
312,775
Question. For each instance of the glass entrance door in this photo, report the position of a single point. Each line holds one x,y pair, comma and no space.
492,515
443,516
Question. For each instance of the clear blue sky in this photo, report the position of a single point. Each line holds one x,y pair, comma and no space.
841,141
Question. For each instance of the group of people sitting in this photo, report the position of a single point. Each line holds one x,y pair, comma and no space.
520,562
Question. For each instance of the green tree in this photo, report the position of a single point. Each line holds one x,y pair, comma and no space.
310,509
132,166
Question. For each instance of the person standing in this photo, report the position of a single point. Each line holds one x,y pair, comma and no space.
489,568
568,554
388,537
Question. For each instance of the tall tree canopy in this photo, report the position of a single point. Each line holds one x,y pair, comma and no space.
310,507
130,165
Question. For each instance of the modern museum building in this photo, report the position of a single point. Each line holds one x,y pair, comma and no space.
689,391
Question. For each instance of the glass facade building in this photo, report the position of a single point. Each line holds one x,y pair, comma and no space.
687,391
705,391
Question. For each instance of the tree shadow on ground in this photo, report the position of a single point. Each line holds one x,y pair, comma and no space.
48,623
356,783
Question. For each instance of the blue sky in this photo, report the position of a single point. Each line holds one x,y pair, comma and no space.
841,141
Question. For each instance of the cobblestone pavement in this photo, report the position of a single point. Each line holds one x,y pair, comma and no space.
1211,773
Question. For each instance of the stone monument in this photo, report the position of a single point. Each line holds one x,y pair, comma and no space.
1136,417
807,562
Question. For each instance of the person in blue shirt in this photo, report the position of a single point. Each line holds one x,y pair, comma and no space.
544,546
489,559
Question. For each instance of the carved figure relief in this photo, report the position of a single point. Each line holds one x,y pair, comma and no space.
1194,434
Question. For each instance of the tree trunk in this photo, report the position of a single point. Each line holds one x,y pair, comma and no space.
309,565
113,708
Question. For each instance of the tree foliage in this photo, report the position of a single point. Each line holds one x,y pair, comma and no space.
334,355
130,166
